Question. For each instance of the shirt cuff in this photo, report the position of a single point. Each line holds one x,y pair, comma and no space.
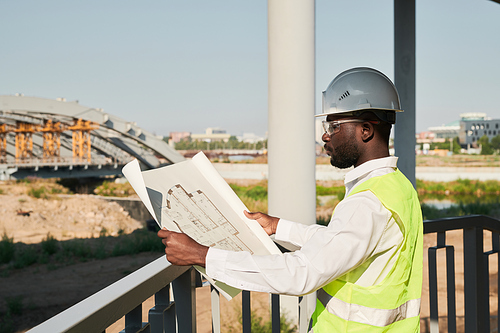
215,261
283,230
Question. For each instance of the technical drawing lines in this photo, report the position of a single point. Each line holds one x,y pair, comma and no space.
196,215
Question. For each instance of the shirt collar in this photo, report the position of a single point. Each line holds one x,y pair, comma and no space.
369,166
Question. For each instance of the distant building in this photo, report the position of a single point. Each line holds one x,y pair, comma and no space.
474,125
448,131
425,137
179,136
212,134
250,138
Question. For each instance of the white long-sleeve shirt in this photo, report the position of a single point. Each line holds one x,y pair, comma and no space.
361,230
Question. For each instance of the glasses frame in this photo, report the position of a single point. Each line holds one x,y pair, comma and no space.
335,124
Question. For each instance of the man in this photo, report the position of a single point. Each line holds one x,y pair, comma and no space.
366,265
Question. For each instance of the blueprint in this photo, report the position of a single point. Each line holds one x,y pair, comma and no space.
194,214
191,197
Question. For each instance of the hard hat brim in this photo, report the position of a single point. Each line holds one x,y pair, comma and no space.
350,112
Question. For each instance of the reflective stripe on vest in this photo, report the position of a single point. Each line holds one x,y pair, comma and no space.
365,315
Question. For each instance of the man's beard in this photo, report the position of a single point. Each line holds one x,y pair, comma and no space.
345,156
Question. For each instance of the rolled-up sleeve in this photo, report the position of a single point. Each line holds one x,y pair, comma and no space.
352,236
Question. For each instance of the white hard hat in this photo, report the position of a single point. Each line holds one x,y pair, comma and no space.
361,89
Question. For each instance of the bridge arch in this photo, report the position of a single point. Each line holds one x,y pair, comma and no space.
43,130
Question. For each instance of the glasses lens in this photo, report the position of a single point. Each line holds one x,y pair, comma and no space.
330,127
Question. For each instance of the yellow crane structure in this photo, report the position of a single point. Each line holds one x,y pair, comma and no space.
81,139
52,139
4,129
51,133
24,141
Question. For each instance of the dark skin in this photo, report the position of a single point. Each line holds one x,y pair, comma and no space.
369,143
363,138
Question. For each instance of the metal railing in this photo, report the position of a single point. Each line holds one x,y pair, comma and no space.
178,313
475,267
170,314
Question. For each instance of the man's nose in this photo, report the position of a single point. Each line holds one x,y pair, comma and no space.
325,137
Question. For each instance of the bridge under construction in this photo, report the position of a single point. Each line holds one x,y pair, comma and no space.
62,139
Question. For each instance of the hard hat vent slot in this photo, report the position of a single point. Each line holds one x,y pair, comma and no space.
344,95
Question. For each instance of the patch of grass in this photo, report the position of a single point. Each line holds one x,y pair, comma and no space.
112,189
26,256
39,193
50,245
339,191
430,212
459,187
77,248
137,242
7,249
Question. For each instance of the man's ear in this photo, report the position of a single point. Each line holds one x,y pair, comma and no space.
367,131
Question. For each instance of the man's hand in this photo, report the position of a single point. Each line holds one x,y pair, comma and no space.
181,249
268,223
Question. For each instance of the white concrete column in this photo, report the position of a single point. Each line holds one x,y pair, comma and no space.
291,77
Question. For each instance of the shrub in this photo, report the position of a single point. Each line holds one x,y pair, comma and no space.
50,245
77,248
112,189
38,193
7,249
25,257
257,193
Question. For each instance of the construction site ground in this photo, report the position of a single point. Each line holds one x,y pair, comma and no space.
46,291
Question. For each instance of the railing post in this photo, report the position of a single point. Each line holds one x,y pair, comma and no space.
475,300
275,313
495,247
162,315
450,284
184,288
215,301
133,320
246,312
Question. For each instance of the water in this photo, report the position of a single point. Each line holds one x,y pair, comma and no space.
439,204
239,158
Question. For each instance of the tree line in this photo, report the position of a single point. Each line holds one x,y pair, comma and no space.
488,147
232,143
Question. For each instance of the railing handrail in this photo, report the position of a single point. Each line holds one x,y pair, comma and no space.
97,312
461,222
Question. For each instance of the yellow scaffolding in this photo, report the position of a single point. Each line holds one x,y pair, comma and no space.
24,140
81,139
4,129
51,139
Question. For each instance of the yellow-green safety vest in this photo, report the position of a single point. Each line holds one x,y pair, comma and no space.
393,305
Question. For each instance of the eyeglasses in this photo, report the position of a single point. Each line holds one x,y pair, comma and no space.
333,127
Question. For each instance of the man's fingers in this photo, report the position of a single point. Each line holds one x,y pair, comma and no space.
253,216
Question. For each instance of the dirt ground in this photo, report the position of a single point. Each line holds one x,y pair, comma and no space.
46,292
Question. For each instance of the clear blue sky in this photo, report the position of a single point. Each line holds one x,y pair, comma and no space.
187,65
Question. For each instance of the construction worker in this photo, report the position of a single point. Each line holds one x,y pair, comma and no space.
366,265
